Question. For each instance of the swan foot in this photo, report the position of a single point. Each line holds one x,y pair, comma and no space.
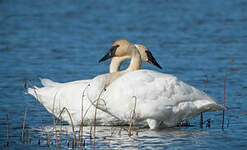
153,124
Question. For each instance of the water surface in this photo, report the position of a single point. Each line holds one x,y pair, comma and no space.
63,40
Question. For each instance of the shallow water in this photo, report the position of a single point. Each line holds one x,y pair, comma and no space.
63,40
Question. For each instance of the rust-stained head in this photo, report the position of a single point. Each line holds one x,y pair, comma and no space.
119,48
146,55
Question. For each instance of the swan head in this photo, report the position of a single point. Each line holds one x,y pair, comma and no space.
123,49
146,55
120,48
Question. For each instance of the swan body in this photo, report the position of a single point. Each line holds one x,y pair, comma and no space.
161,99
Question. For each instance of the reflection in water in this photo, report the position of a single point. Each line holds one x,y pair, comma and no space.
116,137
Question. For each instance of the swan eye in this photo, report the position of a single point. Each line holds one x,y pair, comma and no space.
113,50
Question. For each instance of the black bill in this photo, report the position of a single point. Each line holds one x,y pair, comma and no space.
152,60
110,54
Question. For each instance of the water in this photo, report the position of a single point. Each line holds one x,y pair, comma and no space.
63,40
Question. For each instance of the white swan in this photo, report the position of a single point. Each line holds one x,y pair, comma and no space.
161,99
55,96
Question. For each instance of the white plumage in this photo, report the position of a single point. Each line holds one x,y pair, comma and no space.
159,98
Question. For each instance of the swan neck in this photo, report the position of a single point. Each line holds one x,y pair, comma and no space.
135,62
116,62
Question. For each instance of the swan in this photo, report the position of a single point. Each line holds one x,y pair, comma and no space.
162,100
55,96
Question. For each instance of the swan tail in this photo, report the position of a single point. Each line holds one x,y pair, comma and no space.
32,91
213,107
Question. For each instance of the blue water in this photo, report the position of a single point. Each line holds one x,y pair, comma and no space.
63,40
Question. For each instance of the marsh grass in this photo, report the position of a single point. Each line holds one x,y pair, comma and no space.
224,103
36,94
23,125
70,140
71,122
7,131
39,108
205,90
30,137
133,117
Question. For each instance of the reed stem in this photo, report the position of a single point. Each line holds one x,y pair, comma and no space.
201,120
7,126
36,95
23,125
132,118
72,125
223,113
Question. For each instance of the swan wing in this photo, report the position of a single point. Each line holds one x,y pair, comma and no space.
158,96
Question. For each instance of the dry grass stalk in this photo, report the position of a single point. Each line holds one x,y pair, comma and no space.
224,98
73,143
30,137
7,126
95,116
48,141
36,94
53,117
27,136
201,120
120,132
205,90
60,136
112,130
83,143
109,143
23,125
132,118
208,125
55,130
72,125
68,143
224,101
80,136
90,131
41,118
